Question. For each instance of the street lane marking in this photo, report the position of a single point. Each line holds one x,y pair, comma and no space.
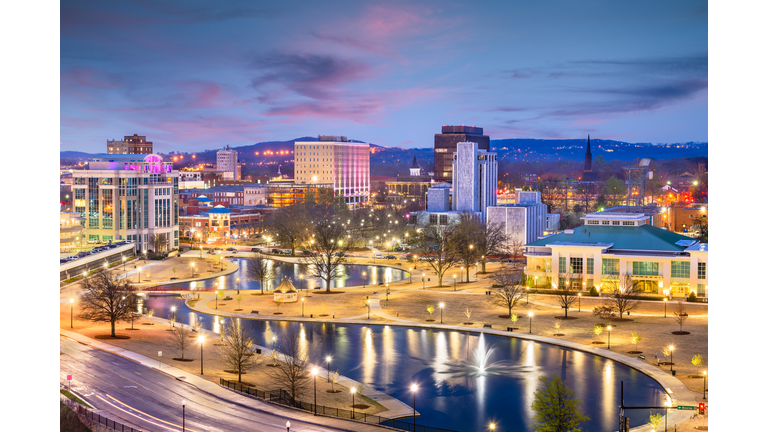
137,410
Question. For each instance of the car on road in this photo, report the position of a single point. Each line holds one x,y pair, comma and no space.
379,256
256,250
231,249
390,257
506,260
340,254
286,251
306,252
277,251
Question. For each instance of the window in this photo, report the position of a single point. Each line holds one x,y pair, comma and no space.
702,270
443,219
610,266
614,222
701,290
628,223
561,264
577,265
681,269
606,223
433,219
590,266
645,268
593,222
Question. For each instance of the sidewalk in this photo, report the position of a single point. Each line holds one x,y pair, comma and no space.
235,397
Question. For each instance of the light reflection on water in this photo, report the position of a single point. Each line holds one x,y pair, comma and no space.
391,358
349,275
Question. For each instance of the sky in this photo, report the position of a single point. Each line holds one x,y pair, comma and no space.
194,75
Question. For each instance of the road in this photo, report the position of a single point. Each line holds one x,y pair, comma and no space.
150,400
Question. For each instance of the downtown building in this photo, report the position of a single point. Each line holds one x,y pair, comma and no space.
446,144
136,145
227,164
335,161
129,197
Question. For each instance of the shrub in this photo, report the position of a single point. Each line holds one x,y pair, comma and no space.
593,292
692,297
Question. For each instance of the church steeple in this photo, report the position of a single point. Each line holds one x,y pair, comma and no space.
415,168
588,157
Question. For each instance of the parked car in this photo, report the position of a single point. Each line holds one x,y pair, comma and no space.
211,251
277,251
286,251
379,256
340,254
231,249
306,252
391,257
399,249
256,250
506,260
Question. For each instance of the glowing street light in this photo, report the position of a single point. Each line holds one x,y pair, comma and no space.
609,337
671,362
414,387
369,308
328,367
423,276
353,390
530,322
302,307
71,303
314,377
364,279
454,282
201,339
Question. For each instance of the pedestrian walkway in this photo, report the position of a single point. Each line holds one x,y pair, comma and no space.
243,400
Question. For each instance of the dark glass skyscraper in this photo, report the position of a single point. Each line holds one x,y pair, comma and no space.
445,145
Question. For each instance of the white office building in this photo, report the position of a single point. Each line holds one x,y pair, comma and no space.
474,179
129,197
226,162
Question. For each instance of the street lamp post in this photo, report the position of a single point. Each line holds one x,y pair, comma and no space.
123,264
442,305
414,387
423,279
705,385
454,282
530,322
71,303
353,390
579,302
493,426
183,415
609,337
671,361
273,343
328,367
369,308
314,377
238,285
665,305
200,339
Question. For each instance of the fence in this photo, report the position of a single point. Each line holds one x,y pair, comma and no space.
98,418
175,288
284,398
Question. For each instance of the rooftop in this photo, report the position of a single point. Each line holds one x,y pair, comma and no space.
626,238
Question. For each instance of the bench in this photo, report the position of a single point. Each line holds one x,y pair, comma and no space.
255,312
641,357
375,292
486,325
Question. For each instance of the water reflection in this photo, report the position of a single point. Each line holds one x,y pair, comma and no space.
465,380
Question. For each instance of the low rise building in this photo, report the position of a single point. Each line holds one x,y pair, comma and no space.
71,231
610,246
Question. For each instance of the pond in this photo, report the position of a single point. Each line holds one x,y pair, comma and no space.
465,380
349,275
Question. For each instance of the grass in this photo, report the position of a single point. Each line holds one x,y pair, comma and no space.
74,398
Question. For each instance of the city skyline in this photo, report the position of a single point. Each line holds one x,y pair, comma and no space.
238,74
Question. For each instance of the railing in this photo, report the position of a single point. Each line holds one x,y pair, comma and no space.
284,398
98,418
175,288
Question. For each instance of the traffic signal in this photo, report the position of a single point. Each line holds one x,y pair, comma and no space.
702,407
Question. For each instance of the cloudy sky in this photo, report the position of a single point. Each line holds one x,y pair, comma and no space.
194,75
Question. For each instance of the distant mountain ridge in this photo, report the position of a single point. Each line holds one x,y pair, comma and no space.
511,149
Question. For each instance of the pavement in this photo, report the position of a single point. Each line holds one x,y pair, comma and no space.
143,393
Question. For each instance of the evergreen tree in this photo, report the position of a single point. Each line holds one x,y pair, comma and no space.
556,408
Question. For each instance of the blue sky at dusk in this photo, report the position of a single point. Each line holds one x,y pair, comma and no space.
194,75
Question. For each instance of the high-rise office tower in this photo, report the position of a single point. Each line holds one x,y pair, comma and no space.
445,146
136,144
334,161
226,162
475,173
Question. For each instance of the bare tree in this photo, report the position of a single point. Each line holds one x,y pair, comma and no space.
509,291
623,297
433,243
565,295
516,248
132,316
182,338
107,298
463,239
237,347
332,249
492,240
258,268
290,373
291,225
680,314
